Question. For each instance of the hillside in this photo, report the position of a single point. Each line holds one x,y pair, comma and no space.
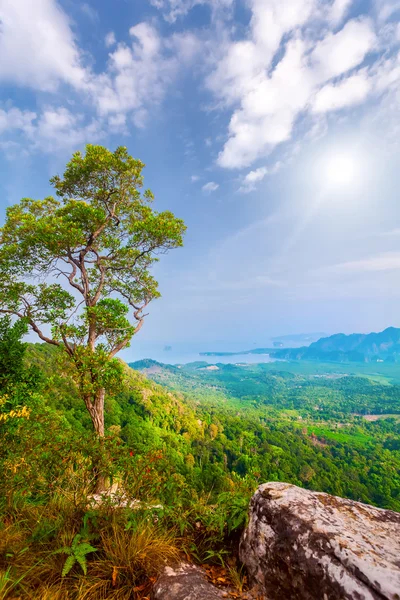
217,426
189,453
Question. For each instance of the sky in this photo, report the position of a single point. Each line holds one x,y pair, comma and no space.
270,126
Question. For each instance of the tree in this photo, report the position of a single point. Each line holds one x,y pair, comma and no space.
75,266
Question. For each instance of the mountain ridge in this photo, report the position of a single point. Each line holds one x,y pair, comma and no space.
354,347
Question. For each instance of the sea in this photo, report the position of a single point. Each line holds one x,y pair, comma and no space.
181,353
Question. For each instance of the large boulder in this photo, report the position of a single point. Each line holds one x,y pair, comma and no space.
307,545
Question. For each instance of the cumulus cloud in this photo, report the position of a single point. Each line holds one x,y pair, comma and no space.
209,187
349,92
37,46
16,119
139,74
339,52
296,59
58,128
299,58
338,10
250,181
53,129
110,39
173,9
387,9
43,54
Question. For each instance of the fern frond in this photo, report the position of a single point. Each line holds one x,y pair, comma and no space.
82,561
69,563
84,549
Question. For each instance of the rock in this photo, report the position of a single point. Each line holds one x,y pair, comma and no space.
185,582
114,497
304,545
189,582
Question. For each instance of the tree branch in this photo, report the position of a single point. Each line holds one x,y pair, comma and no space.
41,334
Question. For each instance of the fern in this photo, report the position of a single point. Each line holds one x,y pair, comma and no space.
77,553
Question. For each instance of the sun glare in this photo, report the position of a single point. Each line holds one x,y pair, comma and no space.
341,171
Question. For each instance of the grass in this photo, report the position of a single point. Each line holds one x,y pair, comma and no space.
128,561
341,437
129,549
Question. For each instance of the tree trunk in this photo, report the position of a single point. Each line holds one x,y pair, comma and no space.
97,415
97,412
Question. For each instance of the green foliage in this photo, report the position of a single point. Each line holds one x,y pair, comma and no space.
101,237
183,463
77,552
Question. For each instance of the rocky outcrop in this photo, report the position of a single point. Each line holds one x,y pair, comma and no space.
303,545
189,582
185,582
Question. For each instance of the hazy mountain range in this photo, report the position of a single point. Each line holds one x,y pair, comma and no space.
358,347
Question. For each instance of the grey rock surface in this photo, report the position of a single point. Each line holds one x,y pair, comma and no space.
303,545
185,582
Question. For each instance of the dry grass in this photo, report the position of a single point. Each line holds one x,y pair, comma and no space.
53,592
238,577
128,560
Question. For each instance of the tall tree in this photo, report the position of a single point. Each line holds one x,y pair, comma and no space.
76,268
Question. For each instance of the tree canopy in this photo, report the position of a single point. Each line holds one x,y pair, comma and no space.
76,268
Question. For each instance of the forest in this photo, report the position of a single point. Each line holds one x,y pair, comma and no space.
335,432
195,447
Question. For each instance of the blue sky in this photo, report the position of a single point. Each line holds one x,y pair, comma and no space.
270,126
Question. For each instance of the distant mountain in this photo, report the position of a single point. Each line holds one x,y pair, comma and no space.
356,347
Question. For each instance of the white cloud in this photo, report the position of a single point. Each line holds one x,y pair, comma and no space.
173,9
249,182
194,178
58,128
54,129
110,40
387,9
286,65
37,46
296,59
388,261
268,110
209,187
89,11
139,75
338,10
42,53
348,92
338,53
16,119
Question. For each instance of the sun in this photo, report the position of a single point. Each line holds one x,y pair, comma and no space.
340,171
